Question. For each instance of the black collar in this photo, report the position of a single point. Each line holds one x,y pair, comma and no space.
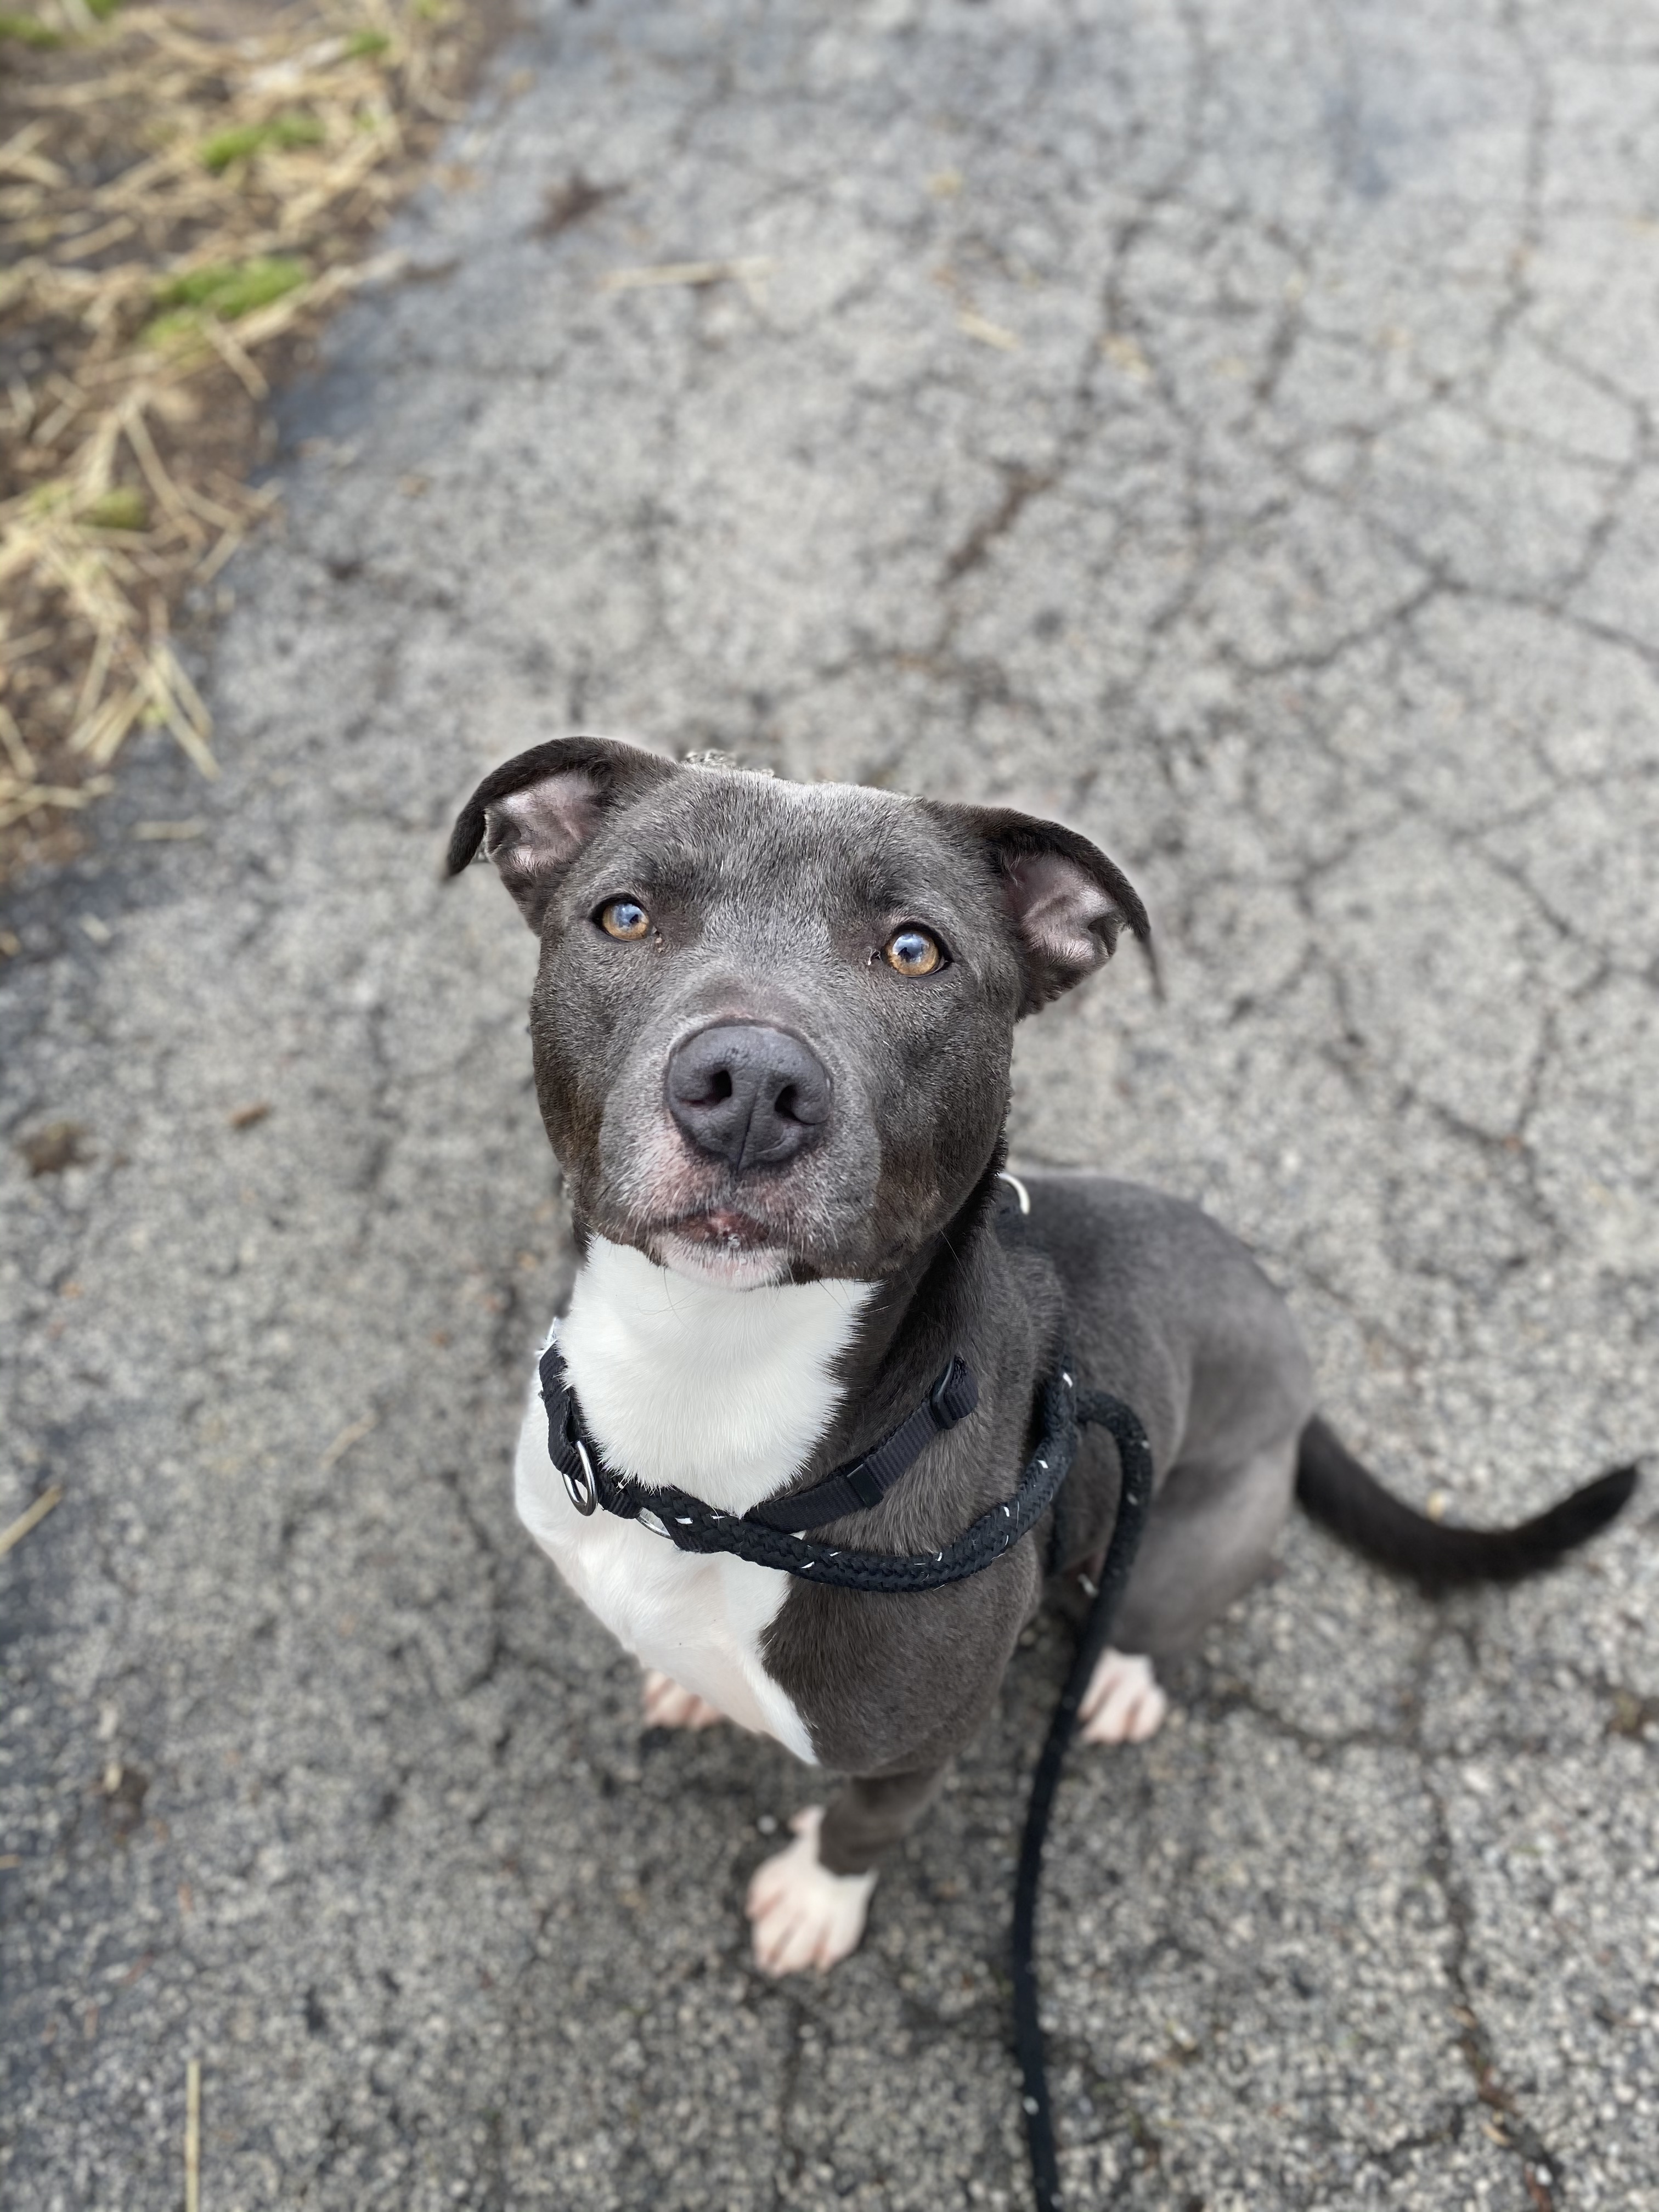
853,1488
767,1534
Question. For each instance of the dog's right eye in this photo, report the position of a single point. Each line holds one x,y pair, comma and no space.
625,919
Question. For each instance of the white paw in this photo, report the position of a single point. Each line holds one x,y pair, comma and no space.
1122,1703
803,1915
667,1705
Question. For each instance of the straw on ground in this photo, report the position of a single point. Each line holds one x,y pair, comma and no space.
192,2135
30,1518
183,187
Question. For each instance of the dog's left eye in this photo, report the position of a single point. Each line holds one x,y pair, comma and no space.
913,951
625,919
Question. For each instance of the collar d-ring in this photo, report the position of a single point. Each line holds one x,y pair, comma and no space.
579,1484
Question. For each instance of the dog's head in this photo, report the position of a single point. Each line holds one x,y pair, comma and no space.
773,1022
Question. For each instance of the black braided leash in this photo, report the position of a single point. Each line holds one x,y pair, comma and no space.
690,1525
1134,1497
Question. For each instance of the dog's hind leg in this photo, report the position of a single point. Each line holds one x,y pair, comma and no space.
667,1705
1210,1536
1123,1703
1211,1533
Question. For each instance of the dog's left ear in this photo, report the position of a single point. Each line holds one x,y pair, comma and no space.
1066,901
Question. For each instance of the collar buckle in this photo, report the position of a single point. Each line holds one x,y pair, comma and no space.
956,1393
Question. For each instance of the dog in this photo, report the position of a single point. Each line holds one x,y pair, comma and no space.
772,1027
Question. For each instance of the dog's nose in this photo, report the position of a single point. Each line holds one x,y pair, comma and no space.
752,1096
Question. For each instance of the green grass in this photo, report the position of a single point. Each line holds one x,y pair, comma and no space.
29,31
124,508
363,46
218,152
225,290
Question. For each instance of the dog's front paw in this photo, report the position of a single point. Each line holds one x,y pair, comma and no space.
667,1705
802,1914
1122,1703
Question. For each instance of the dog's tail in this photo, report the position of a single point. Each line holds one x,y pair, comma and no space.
1335,1490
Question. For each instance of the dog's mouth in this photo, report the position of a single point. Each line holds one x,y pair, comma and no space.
723,1228
722,1246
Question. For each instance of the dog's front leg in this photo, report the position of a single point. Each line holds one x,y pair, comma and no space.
807,1905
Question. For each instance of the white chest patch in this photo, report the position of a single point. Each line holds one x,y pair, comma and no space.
720,1392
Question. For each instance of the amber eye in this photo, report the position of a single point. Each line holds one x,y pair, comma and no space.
625,919
914,952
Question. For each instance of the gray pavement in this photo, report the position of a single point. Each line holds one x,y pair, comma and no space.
1230,428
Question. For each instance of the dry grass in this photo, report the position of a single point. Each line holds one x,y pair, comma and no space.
185,189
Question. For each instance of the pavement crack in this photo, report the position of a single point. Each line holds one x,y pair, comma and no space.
1020,486
786,2169
1508,2126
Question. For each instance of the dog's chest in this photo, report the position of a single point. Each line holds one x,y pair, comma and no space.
717,1392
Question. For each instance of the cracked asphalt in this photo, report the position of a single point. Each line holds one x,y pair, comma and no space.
1231,428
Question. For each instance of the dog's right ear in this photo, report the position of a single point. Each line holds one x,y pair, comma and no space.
534,814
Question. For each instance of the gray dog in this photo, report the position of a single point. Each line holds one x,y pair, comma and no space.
773,1028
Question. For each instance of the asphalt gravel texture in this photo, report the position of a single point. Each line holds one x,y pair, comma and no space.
1230,429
